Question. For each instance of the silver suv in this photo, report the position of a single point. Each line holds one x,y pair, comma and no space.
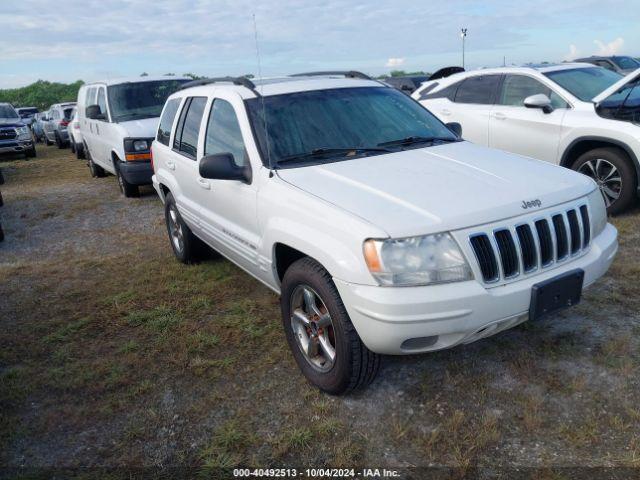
56,126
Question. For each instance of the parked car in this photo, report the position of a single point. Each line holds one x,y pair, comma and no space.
56,127
382,231
37,126
620,64
568,114
27,114
118,120
75,137
15,136
407,84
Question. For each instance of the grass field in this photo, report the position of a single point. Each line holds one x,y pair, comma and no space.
114,354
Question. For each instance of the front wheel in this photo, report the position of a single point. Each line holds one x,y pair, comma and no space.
31,153
613,172
128,189
320,334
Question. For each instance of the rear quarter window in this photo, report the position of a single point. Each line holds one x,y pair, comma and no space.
479,90
166,121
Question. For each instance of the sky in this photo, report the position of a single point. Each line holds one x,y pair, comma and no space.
67,40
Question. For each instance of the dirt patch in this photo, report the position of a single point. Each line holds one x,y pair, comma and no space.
114,354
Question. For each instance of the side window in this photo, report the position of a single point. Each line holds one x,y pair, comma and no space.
166,121
480,89
447,92
188,130
102,101
91,96
425,91
516,88
223,133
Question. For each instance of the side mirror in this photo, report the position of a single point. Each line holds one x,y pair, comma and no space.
540,101
455,127
222,167
93,112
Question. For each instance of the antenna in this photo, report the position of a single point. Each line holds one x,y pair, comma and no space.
264,110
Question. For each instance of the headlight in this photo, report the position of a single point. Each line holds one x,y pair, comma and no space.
423,260
24,130
140,145
598,212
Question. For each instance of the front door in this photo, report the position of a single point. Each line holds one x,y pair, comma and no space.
526,131
229,206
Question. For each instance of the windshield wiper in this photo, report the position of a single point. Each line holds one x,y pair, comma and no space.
323,152
414,140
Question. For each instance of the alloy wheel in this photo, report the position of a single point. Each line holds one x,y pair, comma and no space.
606,176
313,328
175,229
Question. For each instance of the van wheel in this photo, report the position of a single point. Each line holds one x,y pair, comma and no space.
614,174
320,334
128,189
80,152
186,246
72,144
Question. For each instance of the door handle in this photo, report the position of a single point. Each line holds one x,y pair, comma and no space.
204,184
171,165
445,112
499,116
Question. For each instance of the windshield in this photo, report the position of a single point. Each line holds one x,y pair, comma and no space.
27,112
7,111
132,101
584,83
343,122
626,63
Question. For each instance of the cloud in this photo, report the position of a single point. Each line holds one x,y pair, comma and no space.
394,62
611,48
573,53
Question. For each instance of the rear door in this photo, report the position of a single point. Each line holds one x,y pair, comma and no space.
181,160
88,125
101,132
526,131
471,106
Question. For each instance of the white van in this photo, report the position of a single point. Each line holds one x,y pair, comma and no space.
118,120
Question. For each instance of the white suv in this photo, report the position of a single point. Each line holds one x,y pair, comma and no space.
382,231
579,116
117,122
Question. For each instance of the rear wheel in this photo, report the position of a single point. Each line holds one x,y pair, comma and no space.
96,170
185,245
128,189
320,334
72,144
612,170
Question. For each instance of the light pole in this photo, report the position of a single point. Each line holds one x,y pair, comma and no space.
463,35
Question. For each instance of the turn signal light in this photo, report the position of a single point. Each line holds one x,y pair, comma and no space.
132,157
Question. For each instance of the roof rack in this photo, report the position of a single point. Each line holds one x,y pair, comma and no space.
243,81
347,74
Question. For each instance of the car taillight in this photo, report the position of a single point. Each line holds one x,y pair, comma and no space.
151,158
64,123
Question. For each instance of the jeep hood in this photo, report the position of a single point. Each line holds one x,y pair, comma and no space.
143,128
447,187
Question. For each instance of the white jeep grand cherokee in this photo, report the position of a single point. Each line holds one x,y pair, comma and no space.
382,231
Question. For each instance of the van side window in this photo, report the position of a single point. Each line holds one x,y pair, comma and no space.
166,122
102,101
91,96
223,133
188,130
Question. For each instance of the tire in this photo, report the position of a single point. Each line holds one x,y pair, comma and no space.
95,170
354,365
72,144
31,153
1,178
60,144
80,155
129,190
605,165
185,245
1,233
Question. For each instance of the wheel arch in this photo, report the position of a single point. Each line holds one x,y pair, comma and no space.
583,144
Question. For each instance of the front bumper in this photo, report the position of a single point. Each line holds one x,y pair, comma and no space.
451,314
137,173
15,146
